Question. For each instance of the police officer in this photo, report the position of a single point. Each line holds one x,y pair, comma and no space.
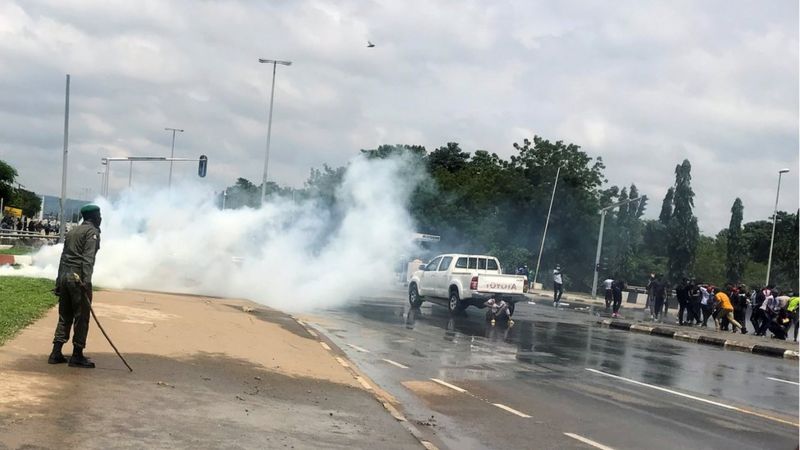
73,285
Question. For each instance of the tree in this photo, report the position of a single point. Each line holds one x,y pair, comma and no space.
8,175
682,230
666,207
735,257
27,201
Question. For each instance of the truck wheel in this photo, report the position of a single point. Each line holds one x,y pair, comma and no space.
454,302
413,296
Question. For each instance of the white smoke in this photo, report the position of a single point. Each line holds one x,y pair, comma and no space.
287,254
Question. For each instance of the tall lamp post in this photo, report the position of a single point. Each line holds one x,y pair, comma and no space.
269,123
603,212
774,219
172,153
546,223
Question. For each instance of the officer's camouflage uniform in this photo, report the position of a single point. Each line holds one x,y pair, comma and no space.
77,264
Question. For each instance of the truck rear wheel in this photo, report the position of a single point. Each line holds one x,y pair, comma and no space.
413,296
454,302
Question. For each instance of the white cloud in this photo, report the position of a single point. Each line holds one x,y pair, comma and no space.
643,84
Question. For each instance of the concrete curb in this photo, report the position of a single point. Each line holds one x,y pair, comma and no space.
366,383
757,349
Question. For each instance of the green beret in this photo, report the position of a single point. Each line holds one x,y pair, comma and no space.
89,208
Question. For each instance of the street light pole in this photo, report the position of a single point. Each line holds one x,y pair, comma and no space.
269,121
774,220
603,212
546,223
172,153
64,164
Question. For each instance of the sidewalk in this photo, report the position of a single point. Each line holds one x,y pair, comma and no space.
636,320
208,373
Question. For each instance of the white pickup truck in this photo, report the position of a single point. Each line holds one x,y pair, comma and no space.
464,280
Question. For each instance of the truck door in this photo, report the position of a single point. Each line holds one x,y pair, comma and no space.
443,277
427,280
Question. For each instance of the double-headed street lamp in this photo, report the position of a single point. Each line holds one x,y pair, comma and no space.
172,153
603,212
269,123
774,219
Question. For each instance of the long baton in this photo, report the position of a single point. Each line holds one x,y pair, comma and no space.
88,302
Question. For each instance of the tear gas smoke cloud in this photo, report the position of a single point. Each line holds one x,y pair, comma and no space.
294,255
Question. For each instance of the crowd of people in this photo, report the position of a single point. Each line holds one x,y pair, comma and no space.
771,310
45,227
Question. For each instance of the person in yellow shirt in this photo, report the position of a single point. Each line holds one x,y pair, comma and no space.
723,303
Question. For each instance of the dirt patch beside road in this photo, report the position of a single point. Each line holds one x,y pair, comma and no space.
206,374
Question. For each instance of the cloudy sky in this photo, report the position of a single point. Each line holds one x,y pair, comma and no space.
644,84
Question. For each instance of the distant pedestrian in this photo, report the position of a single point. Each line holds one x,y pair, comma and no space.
608,283
616,289
793,308
723,303
771,310
648,305
558,285
740,302
757,315
659,289
706,304
694,304
682,294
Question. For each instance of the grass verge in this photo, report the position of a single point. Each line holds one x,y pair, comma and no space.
22,301
16,251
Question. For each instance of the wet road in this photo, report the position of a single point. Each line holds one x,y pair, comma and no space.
554,380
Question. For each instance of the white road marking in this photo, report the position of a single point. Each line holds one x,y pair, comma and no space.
342,362
364,383
362,350
588,441
681,394
512,410
311,332
784,381
394,363
451,386
325,346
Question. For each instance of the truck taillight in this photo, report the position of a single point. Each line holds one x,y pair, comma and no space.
473,285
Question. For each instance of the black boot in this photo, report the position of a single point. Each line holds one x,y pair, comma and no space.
78,360
56,357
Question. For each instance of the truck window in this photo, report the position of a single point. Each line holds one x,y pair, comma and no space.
433,264
492,264
445,263
473,263
482,264
461,263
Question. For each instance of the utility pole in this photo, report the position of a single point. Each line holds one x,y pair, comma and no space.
172,153
603,212
774,220
64,165
269,121
546,223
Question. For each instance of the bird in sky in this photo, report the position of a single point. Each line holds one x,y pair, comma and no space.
370,44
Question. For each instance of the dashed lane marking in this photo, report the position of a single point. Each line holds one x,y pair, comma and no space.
451,386
362,350
588,441
396,364
784,381
312,332
700,399
512,410
325,346
342,362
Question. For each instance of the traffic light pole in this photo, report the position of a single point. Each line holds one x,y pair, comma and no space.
203,164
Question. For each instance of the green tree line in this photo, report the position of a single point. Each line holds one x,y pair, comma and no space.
17,197
480,202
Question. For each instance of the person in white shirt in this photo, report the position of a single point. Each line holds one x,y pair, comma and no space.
706,305
607,284
557,285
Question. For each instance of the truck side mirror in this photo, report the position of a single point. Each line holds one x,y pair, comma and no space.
423,266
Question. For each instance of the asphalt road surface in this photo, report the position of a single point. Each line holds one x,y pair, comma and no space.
555,380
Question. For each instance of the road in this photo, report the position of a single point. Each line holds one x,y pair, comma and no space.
554,380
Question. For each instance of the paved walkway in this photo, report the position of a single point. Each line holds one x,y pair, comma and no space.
208,373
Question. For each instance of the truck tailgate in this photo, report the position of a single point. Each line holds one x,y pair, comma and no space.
501,284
